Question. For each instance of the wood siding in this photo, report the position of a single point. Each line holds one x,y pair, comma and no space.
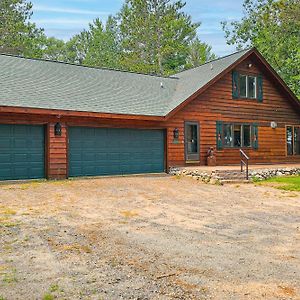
216,104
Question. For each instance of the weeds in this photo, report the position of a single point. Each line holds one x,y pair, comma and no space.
129,214
48,297
10,277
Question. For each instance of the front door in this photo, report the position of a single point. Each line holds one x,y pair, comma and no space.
192,141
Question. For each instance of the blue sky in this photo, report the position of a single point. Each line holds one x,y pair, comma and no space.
65,18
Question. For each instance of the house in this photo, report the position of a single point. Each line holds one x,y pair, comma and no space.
59,120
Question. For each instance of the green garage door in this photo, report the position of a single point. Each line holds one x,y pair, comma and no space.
21,152
109,151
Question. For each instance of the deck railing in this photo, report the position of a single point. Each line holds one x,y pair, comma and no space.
244,162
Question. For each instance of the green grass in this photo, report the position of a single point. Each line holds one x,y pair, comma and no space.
48,297
287,183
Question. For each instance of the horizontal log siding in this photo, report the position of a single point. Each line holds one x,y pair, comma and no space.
57,162
216,103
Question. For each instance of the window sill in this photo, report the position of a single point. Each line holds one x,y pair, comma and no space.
243,148
246,98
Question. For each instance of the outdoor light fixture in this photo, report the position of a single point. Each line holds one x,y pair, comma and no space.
176,133
274,125
249,65
57,129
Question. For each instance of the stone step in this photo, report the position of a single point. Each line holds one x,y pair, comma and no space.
228,181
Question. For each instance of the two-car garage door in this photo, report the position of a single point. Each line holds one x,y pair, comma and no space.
112,151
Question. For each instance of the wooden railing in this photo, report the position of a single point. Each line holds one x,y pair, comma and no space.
244,162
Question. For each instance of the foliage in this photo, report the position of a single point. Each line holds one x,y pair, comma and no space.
199,53
273,27
103,49
53,49
148,36
17,34
287,183
155,35
77,47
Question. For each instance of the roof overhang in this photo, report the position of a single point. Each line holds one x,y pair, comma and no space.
66,113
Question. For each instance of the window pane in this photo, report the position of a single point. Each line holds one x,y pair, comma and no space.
243,85
251,87
297,140
237,135
227,135
289,140
192,139
247,135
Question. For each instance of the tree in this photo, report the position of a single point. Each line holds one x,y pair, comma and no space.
77,48
155,35
53,49
199,53
104,47
273,27
17,34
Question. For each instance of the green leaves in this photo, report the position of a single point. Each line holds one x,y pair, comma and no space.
273,27
156,36
147,36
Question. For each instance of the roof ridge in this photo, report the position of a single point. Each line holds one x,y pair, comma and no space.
86,66
216,59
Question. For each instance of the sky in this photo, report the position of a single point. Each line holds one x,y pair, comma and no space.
65,18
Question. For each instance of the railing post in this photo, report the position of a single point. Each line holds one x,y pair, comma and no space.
244,156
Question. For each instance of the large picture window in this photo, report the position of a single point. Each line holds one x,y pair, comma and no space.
293,140
237,135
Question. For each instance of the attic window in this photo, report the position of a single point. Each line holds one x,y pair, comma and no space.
246,86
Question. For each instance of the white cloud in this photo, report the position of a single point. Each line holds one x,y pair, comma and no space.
45,8
62,21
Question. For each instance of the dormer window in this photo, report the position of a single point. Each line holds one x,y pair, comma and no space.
246,86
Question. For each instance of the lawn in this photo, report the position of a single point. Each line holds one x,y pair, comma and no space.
287,183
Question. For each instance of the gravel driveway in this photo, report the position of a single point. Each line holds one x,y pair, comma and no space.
148,238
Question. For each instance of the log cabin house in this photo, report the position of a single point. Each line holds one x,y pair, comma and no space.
60,120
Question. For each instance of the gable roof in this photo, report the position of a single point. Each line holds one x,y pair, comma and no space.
42,84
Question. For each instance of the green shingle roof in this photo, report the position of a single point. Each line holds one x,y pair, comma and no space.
44,84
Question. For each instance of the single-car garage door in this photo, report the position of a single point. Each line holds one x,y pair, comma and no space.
110,151
22,152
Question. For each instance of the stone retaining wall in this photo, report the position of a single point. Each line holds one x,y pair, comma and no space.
269,173
213,178
204,176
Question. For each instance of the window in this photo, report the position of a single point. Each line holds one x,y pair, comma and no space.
293,140
252,87
243,86
248,86
237,135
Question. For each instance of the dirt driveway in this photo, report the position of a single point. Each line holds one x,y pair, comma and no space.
148,238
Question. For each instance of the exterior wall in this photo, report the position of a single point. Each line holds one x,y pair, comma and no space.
56,147
56,153
216,104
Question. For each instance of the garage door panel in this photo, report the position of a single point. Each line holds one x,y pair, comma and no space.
111,151
21,152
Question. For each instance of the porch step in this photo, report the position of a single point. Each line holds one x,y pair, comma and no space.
231,176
